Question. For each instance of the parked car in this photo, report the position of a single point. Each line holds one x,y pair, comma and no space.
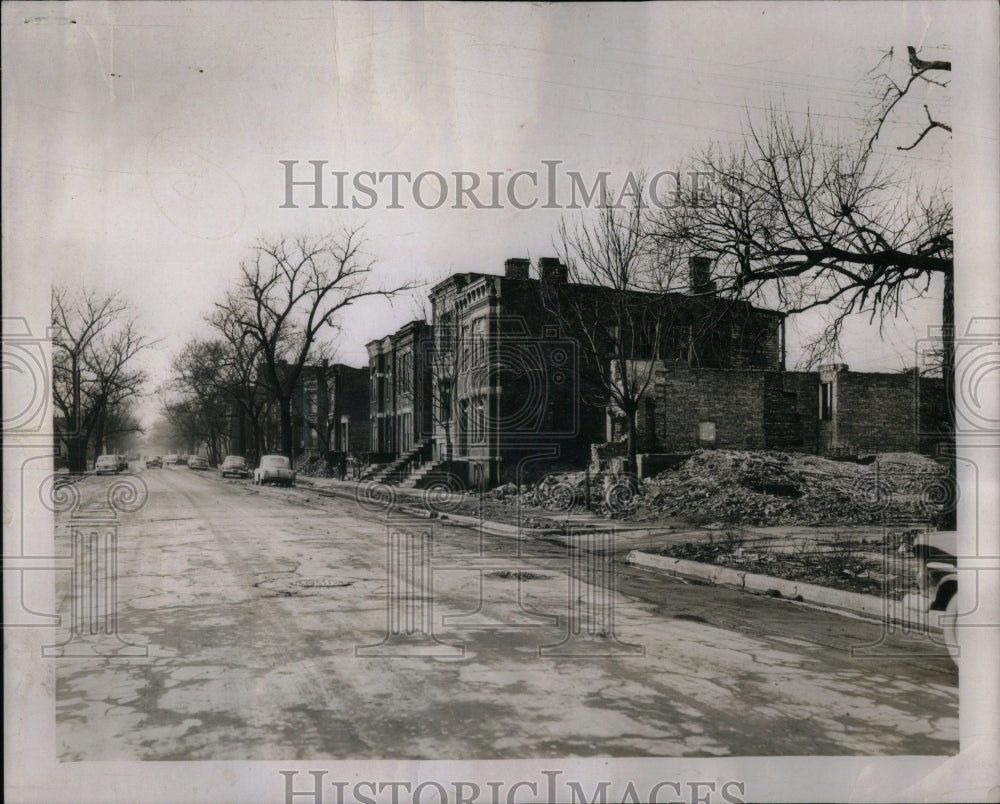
170,460
274,469
197,462
235,465
123,463
182,460
937,582
107,465
154,461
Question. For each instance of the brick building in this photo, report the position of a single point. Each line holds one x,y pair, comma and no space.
330,409
833,412
502,384
400,392
350,430
515,379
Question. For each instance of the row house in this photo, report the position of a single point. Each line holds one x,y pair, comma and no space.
510,378
520,361
330,409
400,392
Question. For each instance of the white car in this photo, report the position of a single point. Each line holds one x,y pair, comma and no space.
274,469
107,464
235,465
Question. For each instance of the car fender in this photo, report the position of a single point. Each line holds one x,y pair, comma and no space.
946,590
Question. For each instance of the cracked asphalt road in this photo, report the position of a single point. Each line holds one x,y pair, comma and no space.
268,613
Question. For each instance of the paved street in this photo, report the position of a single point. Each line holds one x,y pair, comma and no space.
266,612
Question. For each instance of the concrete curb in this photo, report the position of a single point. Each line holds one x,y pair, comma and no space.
866,605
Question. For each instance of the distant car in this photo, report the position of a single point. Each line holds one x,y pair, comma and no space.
197,462
154,462
274,469
170,460
107,465
123,463
235,465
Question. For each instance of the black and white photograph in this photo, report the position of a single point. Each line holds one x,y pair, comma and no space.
506,402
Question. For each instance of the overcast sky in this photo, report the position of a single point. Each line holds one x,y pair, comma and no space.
142,142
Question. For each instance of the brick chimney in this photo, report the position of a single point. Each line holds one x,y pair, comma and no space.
551,269
517,268
700,275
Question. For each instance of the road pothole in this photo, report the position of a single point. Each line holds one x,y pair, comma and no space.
521,575
287,587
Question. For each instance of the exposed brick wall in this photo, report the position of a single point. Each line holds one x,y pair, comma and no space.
872,411
774,410
734,401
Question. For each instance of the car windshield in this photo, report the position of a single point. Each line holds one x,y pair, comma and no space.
274,461
233,460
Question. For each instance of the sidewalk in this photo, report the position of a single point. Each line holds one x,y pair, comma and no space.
635,538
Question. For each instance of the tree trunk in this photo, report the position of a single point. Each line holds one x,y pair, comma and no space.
77,448
99,437
631,446
287,431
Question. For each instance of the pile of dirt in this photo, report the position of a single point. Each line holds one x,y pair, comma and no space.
774,488
317,467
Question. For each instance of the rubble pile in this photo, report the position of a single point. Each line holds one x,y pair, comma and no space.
773,488
317,467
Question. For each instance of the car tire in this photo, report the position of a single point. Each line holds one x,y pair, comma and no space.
949,626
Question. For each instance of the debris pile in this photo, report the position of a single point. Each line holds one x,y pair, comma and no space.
774,488
752,488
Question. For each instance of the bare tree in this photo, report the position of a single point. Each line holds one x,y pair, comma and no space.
828,225
239,373
202,380
608,307
95,344
288,293
809,224
892,90
445,357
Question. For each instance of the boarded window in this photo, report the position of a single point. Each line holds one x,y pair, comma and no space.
706,432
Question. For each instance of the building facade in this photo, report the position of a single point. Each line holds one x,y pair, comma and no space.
521,362
400,391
